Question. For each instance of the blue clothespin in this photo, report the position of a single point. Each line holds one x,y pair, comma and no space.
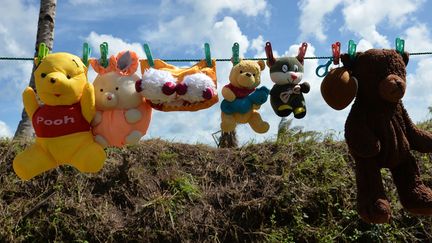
104,54
400,45
86,53
208,55
235,53
352,46
149,55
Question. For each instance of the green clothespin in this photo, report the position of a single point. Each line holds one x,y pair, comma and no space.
149,55
42,52
207,54
86,53
104,54
400,45
352,46
235,53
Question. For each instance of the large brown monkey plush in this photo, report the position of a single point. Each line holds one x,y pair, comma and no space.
379,132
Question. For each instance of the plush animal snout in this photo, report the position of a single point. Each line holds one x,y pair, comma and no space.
392,88
138,85
110,100
247,80
293,77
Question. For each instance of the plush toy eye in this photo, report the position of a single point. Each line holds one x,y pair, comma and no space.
241,71
68,76
101,90
43,75
296,68
116,88
284,68
254,74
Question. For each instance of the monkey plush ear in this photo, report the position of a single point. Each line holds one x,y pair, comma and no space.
339,88
405,57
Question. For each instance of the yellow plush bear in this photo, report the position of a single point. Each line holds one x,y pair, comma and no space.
242,99
62,122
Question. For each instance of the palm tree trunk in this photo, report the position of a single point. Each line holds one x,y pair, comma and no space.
45,34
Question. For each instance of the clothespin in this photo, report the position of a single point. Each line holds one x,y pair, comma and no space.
336,52
148,55
42,52
400,45
86,53
269,53
325,67
104,54
302,52
235,53
207,54
352,46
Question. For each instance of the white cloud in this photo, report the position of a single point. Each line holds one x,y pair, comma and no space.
4,130
363,17
115,44
195,27
364,45
312,17
18,25
418,38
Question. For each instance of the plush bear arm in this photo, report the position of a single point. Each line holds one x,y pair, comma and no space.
88,108
360,139
228,94
305,87
97,118
30,102
419,140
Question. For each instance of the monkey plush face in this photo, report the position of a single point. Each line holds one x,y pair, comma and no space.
286,70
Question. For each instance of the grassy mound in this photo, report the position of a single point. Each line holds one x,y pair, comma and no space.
300,189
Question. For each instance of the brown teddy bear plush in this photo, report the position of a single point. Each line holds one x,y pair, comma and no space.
379,132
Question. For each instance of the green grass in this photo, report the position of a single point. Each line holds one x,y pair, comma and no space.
300,188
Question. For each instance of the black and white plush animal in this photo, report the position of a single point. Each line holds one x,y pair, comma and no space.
286,96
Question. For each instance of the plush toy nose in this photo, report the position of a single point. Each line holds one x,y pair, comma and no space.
138,85
293,76
248,74
52,80
109,97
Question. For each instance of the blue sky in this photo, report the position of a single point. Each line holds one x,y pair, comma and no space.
178,29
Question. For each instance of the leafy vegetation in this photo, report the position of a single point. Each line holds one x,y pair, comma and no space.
300,188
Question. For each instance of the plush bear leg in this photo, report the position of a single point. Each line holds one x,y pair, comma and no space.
257,124
32,162
228,123
415,197
90,157
299,107
372,203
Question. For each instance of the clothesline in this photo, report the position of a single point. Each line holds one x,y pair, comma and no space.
217,59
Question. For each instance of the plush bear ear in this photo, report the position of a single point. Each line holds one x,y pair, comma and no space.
405,57
261,64
347,61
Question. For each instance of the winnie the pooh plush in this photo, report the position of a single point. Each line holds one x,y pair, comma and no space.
62,122
241,98
122,114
